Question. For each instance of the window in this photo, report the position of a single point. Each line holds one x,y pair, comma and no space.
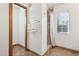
63,21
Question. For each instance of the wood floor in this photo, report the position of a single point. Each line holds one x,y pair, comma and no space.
57,51
20,51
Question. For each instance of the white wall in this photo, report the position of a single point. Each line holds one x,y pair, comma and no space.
4,29
38,28
19,22
22,24
34,41
71,39
44,28
15,24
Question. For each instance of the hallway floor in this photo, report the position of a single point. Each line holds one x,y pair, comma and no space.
20,51
57,51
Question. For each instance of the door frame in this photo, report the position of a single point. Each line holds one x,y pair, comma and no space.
11,28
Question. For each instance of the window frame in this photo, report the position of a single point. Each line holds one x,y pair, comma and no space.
68,21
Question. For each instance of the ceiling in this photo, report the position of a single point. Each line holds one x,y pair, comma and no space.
49,5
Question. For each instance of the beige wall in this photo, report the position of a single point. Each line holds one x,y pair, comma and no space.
4,29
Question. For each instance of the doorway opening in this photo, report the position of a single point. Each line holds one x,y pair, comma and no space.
17,26
48,30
